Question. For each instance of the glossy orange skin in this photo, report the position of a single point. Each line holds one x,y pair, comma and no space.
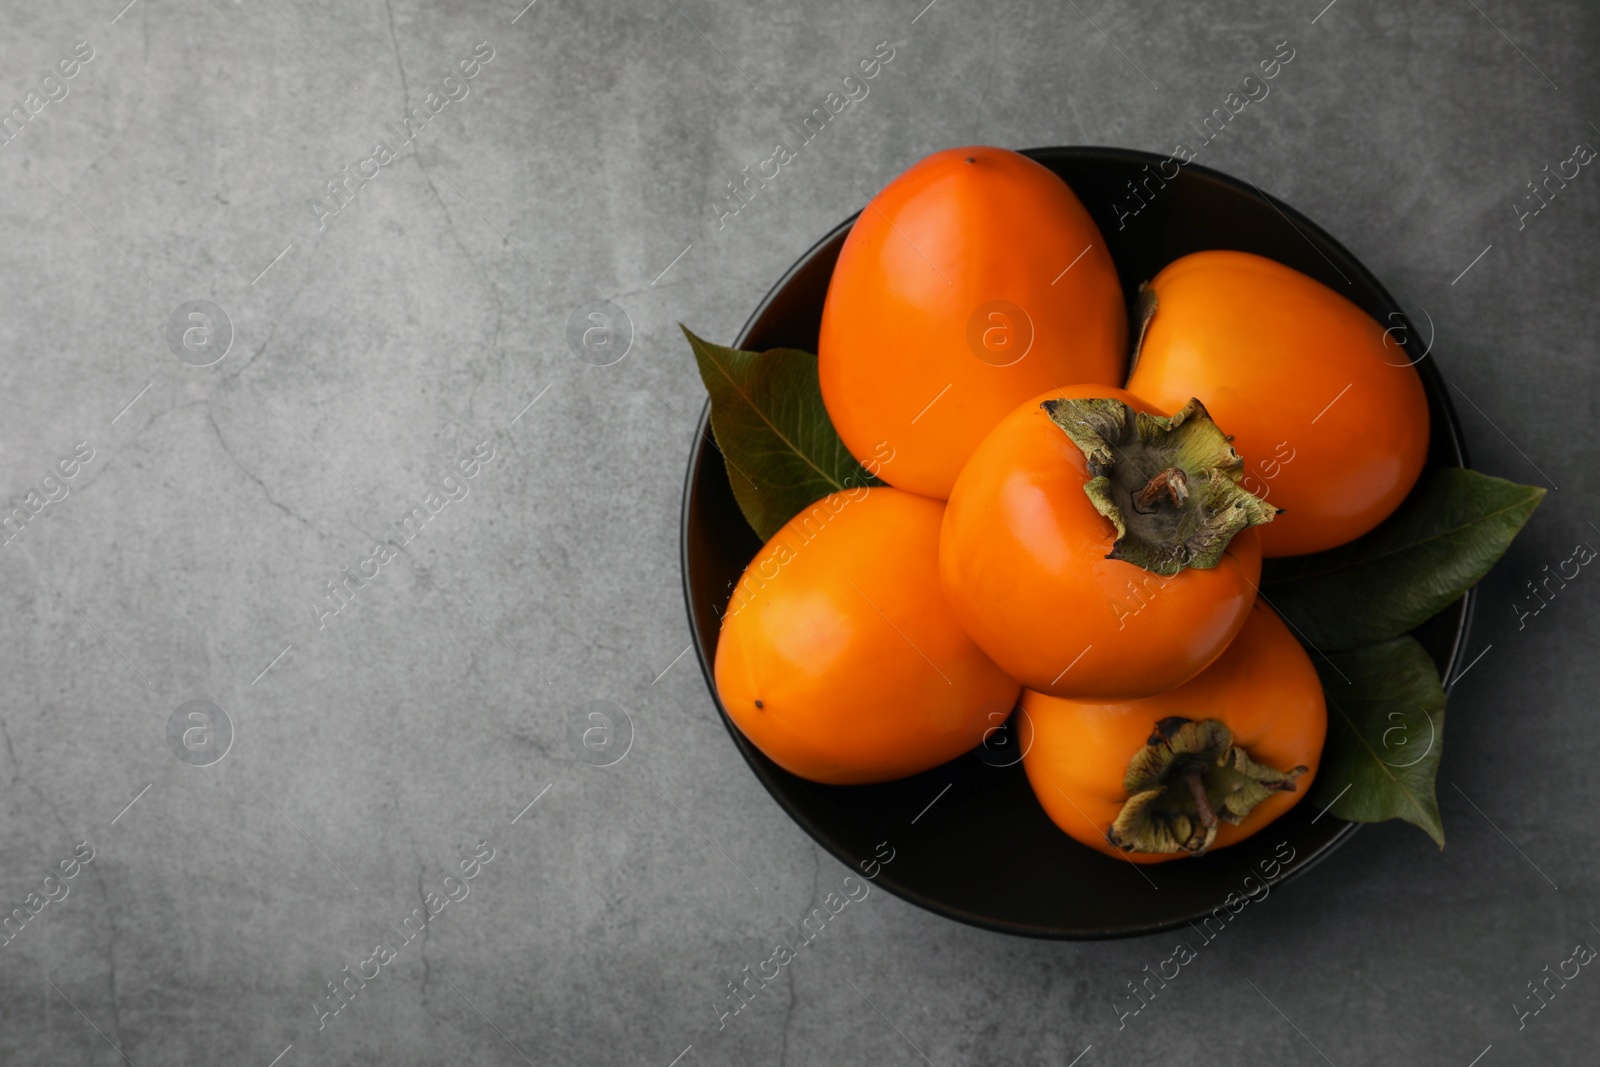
1268,350
839,629
1264,688
898,352
1022,559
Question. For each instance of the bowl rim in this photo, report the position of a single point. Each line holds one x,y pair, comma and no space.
704,445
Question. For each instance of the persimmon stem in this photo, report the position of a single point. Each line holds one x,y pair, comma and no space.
1172,482
1197,787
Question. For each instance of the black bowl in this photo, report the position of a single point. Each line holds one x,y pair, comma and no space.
967,839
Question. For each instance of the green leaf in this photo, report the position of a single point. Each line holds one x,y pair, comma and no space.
1385,732
1442,540
783,453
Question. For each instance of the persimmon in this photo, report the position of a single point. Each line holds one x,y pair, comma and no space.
1097,550
838,656
1324,405
968,284
1199,767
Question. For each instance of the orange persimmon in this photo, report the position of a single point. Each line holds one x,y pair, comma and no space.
838,657
971,282
1323,404
1108,578
1201,766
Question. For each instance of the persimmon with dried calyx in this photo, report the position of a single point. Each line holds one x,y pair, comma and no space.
1097,549
1323,402
838,657
971,282
1199,767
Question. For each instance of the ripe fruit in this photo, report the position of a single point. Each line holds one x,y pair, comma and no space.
1025,554
838,657
1265,696
959,293
1325,408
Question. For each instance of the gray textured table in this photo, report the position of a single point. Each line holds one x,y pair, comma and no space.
384,344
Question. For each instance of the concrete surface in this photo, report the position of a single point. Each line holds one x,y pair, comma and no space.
374,349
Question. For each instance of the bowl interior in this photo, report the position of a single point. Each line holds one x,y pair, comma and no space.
968,839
